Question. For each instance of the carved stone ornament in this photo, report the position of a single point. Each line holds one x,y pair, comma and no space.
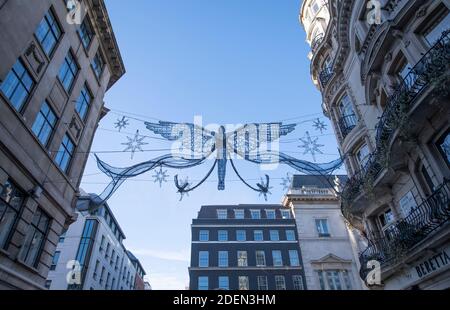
31,50
422,12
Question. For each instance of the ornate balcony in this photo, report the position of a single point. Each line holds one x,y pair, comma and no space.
425,72
318,39
402,236
325,76
347,123
431,70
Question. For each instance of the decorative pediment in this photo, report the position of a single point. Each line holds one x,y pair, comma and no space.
331,259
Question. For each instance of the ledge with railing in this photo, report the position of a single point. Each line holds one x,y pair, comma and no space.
318,39
347,123
436,60
434,63
325,76
402,236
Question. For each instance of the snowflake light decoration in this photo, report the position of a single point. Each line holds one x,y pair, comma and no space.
121,123
286,181
135,144
160,176
320,125
311,146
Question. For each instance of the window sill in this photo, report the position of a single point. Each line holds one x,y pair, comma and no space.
5,253
29,268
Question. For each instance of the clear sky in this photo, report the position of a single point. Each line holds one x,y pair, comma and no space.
229,61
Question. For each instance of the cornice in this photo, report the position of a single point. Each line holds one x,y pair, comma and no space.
107,39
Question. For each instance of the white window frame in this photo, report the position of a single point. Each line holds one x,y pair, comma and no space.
242,258
252,212
241,212
244,284
221,212
270,211
284,212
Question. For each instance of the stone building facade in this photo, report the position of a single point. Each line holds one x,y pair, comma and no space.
329,247
383,70
54,72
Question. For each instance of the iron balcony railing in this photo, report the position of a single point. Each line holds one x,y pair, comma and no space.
354,185
325,76
417,79
318,39
408,232
415,82
347,123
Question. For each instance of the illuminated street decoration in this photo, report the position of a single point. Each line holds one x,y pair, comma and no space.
160,176
134,144
310,146
286,181
194,145
121,123
319,125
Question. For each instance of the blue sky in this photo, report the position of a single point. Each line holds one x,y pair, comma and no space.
229,61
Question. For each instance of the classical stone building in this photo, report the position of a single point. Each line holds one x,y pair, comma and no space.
54,72
383,70
329,247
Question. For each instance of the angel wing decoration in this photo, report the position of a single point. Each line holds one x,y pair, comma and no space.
193,145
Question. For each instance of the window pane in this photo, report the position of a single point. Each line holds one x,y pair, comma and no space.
260,258
223,259
444,146
222,214
297,282
204,235
241,235
65,153
258,235
86,32
203,283
270,214
274,235
277,258
68,71
256,214
242,259
10,203
83,102
290,235
243,283
7,219
98,64
262,283
44,124
17,85
55,260
286,214
203,257
322,228
434,34
280,283
48,33
223,235
224,283
239,214
294,259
